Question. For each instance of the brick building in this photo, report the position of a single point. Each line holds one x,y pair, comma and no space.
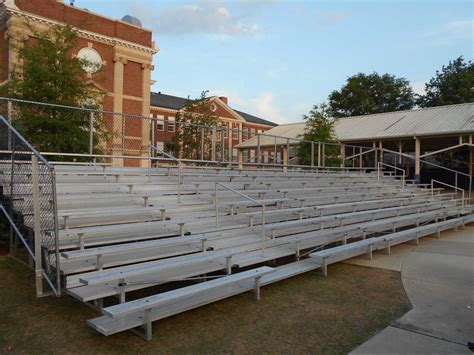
242,125
124,51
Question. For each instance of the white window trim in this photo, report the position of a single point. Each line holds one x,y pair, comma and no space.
171,119
160,119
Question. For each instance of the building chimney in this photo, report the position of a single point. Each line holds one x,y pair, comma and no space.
224,99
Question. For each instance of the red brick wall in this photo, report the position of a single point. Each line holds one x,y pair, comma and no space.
163,136
86,20
132,79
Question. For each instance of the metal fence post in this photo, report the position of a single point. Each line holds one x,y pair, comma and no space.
324,154
56,232
91,133
37,225
258,148
213,143
319,154
202,143
222,146
312,154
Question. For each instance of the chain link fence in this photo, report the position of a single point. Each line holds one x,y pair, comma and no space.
122,139
28,202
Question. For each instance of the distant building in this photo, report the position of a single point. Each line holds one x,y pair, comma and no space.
243,125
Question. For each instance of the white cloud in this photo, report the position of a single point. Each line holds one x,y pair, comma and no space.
211,17
262,105
451,31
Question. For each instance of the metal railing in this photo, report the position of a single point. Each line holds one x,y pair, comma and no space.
29,201
433,181
129,136
455,172
256,202
396,168
169,156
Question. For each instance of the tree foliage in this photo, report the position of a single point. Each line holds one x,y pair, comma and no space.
365,94
319,128
453,84
188,141
48,72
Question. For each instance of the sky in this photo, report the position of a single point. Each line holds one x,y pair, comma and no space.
275,59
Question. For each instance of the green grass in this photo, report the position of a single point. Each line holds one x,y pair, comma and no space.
304,314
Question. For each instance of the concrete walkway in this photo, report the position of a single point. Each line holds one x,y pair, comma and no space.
438,276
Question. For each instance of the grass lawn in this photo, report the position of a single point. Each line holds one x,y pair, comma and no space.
304,314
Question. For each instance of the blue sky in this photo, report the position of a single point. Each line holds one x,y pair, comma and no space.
277,58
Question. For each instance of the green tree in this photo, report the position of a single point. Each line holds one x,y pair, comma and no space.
319,128
48,72
365,94
454,84
187,141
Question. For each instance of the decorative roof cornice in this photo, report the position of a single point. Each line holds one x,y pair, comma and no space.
83,33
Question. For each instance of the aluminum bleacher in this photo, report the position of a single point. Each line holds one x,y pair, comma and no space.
222,232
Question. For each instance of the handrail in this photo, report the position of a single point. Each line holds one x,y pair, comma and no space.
393,167
423,161
448,185
436,165
258,203
26,143
170,157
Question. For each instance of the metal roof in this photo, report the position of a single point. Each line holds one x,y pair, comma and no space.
441,120
433,121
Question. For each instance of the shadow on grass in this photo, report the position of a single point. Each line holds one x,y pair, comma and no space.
307,313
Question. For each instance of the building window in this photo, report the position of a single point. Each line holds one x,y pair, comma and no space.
235,132
252,155
171,124
278,157
160,122
245,155
245,133
160,146
251,132
225,129
265,156
234,154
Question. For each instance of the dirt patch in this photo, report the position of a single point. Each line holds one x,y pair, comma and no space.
308,313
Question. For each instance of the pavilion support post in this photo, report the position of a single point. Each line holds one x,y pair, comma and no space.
417,176
342,148
471,158
381,151
400,152
376,155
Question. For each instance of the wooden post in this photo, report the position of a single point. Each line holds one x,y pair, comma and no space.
471,158
417,160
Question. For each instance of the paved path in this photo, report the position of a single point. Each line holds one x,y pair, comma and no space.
438,276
